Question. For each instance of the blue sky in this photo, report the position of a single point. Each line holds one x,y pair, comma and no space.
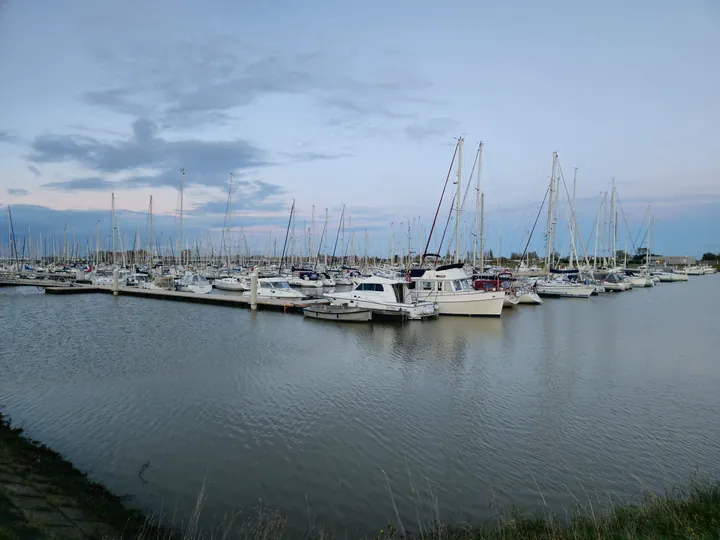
332,103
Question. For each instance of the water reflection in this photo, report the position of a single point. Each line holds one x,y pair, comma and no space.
572,395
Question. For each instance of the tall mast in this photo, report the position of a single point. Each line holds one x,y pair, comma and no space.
150,236
627,238
572,220
182,183
550,228
597,230
114,228
482,232
326,235
459,201
229,218
477,204
311,249
650,227
613,225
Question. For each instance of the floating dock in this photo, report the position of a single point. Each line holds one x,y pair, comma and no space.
274,304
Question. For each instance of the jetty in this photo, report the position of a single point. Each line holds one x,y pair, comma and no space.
272,304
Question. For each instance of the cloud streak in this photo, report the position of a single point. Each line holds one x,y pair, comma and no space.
18,192
206,162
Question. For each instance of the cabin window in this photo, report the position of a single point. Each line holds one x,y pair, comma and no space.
457,285
427,285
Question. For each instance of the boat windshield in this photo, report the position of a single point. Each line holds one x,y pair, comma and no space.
281,284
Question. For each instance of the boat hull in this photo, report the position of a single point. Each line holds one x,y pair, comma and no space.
338,313
486,304
529,298
225,286
562,291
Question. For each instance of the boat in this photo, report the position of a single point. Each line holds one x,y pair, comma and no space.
231,284
305,278
384,295
564,288
614,282
528,296
341,313
501,280
277,287
194,283
450,287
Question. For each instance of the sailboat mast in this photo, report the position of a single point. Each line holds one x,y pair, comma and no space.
597,230
114,228
326,237
182,183
477,203
229,218
458,198
150,236
551,199
572,220
482,232
613,225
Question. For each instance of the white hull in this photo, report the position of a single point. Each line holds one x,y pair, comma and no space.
642,282
230,285
414,311
565,291
529,298
616,287
471,304
197,289
510,300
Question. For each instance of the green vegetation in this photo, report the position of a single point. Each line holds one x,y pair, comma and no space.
691,513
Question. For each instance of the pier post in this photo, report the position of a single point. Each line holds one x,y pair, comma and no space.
253,289
116,276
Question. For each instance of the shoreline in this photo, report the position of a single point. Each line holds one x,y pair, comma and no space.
42,495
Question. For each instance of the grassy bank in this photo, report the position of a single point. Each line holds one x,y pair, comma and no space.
44,496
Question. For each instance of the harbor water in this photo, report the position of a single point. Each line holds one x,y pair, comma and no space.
575,401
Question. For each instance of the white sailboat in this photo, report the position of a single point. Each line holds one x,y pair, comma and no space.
232,284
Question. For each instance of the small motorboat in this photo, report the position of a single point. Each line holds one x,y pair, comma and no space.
338,313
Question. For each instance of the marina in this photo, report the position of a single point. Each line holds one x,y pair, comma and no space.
315,413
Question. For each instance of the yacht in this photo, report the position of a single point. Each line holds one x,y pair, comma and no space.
451,288
305,278
194,283
277,287
386,295
231,284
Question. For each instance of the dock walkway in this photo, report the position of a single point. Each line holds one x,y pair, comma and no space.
274,304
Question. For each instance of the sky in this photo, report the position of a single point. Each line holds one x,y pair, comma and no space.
333,104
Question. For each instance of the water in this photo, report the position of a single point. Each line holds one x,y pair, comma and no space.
572,400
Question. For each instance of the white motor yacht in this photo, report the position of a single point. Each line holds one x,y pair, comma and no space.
277,287
384,294
451,288
232,284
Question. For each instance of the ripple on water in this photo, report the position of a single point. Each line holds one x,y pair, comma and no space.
571,397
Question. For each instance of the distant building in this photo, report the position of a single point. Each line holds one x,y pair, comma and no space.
673,260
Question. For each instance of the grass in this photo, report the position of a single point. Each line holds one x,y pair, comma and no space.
691,513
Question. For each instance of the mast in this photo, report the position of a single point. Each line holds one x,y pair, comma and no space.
326,247
627,238
550,228
228,216
482,232
597,230
459,201
150,236
572,220
613,225
311,247
182,183
477,204
114,228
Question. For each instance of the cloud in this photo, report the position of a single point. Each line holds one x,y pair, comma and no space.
246,195
432,127
19,192
206,162
34,170
8,137
192,85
